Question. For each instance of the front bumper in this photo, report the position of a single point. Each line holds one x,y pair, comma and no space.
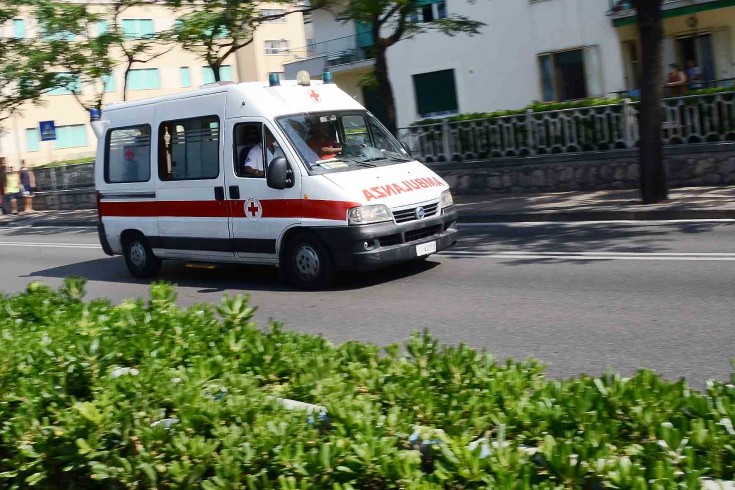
388,243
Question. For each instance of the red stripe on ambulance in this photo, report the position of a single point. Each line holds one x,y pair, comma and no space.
272,208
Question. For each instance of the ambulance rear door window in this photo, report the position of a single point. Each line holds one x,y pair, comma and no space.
128,155
189,149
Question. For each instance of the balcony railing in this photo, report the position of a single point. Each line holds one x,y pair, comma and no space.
335,52
624,8
687,120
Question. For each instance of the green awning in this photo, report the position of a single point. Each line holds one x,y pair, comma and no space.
676,12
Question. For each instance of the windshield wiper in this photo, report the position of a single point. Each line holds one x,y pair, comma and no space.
385,157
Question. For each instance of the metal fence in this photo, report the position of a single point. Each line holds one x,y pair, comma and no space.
686,120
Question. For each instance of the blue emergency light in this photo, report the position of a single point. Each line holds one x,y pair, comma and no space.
327,77
94,114
274,80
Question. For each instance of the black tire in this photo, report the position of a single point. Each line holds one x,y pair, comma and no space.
307,262
139,258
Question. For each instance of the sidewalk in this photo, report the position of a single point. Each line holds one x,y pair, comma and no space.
685,203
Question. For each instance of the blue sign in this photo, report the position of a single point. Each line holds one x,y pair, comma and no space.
47,130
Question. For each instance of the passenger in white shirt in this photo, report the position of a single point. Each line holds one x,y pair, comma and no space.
254,165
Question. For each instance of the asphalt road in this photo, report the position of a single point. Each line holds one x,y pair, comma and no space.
581,297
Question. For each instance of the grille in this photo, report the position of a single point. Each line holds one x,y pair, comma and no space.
412,236
407,215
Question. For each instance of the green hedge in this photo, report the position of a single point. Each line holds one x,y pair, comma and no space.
554,106
148,395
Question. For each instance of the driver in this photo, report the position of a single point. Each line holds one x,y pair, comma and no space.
322,142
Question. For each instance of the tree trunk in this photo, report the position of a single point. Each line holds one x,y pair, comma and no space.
652,171
385,89
125,81
215,70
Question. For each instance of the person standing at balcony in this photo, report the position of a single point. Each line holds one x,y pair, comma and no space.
676,81
694,74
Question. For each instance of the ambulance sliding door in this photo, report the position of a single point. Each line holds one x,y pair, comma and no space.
193,212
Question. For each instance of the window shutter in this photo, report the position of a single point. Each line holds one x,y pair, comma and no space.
722,53
593,71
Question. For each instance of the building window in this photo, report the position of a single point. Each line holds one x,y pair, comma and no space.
436,93
128,154
66,84
33,143
272,13
225,74
109,81
70,136
428,11
189,149
19,28
145,79
185,76
276,47
138,28
563,75
102,27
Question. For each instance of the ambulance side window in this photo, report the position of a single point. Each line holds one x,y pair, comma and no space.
188,149
247,137
128,155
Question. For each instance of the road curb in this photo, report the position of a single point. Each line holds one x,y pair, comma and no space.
648,215
61,223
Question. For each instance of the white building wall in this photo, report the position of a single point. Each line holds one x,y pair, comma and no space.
499,69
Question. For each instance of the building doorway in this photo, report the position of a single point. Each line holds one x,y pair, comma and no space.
697,48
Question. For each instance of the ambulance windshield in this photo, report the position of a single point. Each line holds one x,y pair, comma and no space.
342,140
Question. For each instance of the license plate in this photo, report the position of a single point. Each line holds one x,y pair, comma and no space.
425,249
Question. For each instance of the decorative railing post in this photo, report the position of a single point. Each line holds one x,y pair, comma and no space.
628,123
529,132
446,140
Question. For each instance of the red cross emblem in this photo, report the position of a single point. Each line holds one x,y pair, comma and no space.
128,153
315,95
253,209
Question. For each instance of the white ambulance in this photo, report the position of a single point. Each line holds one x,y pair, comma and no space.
293,173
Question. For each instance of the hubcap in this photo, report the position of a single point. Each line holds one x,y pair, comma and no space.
306,260
137,255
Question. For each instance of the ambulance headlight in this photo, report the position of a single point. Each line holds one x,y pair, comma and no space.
364,215
447,200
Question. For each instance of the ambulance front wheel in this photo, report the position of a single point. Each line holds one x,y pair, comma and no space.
139,257
307,262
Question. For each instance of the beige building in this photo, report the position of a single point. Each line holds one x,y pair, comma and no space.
175,71
697,32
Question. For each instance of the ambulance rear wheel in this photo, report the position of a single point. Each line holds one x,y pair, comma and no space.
307,262
139,257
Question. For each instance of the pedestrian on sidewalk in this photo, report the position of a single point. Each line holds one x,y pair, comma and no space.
12,188
3,169
28,183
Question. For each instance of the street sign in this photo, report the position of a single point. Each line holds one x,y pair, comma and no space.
47,130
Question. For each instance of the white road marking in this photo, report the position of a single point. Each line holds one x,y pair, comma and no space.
601,222
50,245
523,255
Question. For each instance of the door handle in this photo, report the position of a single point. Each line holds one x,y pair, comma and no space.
234,192
219,193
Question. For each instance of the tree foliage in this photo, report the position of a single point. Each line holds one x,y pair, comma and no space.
24,74
391,21
217,29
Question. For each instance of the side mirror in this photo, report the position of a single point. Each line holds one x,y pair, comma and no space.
405,147
280,175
